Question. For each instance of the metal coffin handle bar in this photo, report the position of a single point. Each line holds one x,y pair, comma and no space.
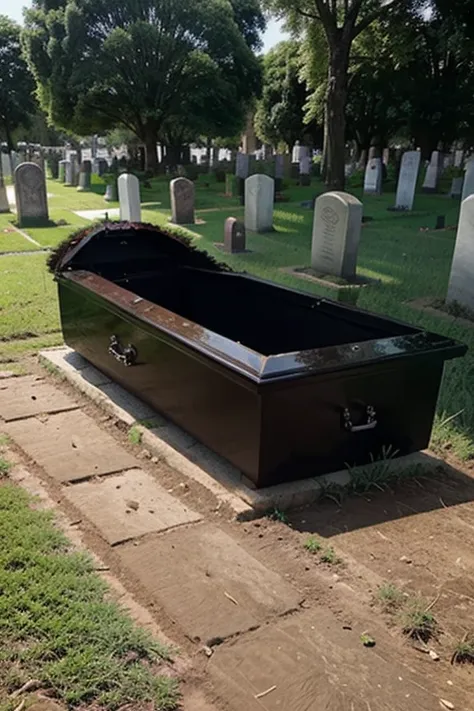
371,423
126,355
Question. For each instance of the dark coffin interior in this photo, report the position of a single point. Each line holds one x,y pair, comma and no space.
311,359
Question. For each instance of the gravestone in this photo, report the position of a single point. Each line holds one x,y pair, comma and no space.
409,168
461,282
305,171
336,234
62,170
100,166
458,158
68,178
430,182
30,195
85,176
229,185
242,167
456,187
468,186
129,198
4,206
111,191
234,236
6,166
182,201
373,177
279,172
259,196
74,168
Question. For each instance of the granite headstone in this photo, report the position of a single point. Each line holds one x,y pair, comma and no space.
85,176
373,177
259,196
30,195
234,236
430,183
182,201
409,168
336,234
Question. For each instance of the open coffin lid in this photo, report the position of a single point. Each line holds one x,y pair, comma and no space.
262,330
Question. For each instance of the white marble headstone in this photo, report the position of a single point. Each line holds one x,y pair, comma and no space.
468,186
129,198
461,281
6,165
430,182
259,195
373,177
409,168
458,158
336,234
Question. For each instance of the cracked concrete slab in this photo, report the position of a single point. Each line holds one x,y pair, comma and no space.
207,582
70,446
30,395
129,505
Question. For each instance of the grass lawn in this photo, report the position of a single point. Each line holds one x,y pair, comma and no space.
408,262
59,626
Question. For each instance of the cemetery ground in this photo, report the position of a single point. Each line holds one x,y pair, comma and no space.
379,579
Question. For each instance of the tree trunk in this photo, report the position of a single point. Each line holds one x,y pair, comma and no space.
324,156
151,155
336,100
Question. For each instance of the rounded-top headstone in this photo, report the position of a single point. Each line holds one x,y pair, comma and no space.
336,234
182,201
234,235
30,194
129,198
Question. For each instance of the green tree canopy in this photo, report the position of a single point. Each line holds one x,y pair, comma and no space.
143,64
17,102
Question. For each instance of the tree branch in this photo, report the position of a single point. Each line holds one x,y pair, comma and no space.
368,19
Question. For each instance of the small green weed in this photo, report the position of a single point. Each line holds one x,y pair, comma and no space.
417,621
134,435
4,439
464,650
278,515
313,544
390,596
5,466
329,556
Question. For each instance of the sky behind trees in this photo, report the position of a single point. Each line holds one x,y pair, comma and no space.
14,9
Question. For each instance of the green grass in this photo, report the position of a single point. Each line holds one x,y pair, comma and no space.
329,556
390,596
464,650
409,264
58,625
416,621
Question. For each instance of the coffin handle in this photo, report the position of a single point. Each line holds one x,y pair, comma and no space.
126,355
371,423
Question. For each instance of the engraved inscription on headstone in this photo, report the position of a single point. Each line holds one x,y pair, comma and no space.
336,234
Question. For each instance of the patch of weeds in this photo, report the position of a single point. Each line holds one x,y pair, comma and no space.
390,596
59,625
134,435
464,650
330,490
329,556
278,515
313,544
4,439
377,475
417,622
448,435
5,466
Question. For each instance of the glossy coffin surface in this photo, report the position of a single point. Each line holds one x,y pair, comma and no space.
283,384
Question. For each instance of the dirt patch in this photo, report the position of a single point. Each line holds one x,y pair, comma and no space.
435,307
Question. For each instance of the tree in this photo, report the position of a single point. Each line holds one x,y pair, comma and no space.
17,87
280,115
342,22
140,63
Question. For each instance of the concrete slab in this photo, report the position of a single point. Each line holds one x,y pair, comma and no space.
112,212
209,583
29,395
128,505
308,662
179,450
70,446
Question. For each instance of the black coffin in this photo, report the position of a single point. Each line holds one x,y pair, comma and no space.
283,384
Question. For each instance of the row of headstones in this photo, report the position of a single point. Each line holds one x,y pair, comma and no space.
408,177
259,198
298,166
